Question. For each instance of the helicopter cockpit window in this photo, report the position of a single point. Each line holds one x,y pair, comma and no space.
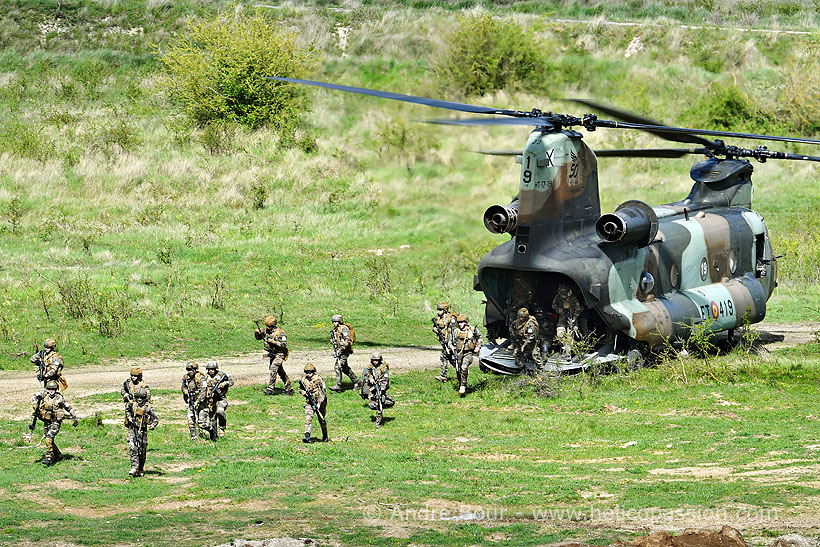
647,283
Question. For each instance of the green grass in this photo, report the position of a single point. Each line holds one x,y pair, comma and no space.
494,450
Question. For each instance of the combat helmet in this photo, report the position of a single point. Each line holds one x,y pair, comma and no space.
50,343
445,306
310,367
212,365
523,313
136,371
140,394
191,365
270,321
462,318
337,319
377,356
51,384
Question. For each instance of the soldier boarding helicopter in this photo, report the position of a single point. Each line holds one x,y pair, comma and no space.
643,275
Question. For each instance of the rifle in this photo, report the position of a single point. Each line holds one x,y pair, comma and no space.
190,401
39,398
260,329
39,360
127,390
378,387
137,429
335,343
216,385
311,401
445,347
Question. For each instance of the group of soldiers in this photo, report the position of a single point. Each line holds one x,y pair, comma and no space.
373,385
534,337
459,343
205,395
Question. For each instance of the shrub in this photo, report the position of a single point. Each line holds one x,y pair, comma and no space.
486,54
216,72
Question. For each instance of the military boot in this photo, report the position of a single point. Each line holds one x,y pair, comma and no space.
193,433
462,390
379,421
337,388
268,391
289,391
307,438
134,471
441,378
221,432
48,459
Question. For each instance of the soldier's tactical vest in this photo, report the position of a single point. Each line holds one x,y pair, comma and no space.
443,322
50,409
216,395
380,371
140,412
53,364
346,330
193,384
314,387
465,339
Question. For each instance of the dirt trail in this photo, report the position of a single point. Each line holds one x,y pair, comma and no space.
165,373
250,368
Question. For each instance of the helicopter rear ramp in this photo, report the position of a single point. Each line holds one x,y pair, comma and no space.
499,359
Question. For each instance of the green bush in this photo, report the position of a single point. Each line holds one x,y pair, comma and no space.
484,54
216,71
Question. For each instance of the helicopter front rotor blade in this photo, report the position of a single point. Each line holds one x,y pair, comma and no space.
461,107
635,118
535,121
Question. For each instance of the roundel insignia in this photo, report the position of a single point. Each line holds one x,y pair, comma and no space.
715,310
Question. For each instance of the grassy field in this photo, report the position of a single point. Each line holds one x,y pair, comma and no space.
735,444
125,231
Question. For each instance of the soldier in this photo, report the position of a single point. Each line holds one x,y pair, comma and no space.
276,347
546,332
49,364
131,384
442,324
213,400
191,387
525,331
376,382
51,408
568,307
466,340
342,338
312,388
139,418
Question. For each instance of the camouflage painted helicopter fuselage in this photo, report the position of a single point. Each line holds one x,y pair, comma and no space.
646,274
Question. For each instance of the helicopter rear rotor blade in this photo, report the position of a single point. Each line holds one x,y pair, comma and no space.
536,121
635,118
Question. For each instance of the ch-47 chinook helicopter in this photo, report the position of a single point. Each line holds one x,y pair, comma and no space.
643,275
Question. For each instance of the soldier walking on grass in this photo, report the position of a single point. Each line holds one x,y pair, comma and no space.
312,388
442,325
139,418
51,408
49,364
276,348
466,340
213,400
342,337
191,387
375,383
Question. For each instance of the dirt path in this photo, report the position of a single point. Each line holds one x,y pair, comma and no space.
246,369
163,373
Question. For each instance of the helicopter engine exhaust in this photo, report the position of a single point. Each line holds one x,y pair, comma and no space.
500,218
633,223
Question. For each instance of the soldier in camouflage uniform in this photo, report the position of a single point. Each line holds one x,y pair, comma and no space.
568,307
139,418
442,325
546,332
49,364
342,340
213,400
312,388
466,340
525,333
276,348
131,384
191,387
51,408
375,383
